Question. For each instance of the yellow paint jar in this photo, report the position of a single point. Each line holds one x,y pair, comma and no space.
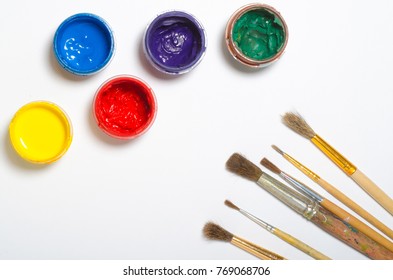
40,132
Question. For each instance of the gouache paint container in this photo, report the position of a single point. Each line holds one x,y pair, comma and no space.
40,132
124,107
84,44
175,42
256,35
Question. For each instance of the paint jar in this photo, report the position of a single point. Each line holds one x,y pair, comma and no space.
175,42
40,132
124,107
256,35
84,44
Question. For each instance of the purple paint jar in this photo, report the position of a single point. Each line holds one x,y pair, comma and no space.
175,42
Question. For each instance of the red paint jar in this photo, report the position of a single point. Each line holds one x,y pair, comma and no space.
124,107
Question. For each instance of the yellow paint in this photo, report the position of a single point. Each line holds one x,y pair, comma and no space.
40,132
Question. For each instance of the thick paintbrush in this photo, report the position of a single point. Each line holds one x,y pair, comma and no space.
281,234
308,208
300,126
329,205
213,231
337,194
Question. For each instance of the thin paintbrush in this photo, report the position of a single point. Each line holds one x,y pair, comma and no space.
332,207
281,234
215,232
300,126
337,194
308,208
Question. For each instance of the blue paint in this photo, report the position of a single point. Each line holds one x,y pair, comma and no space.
83,44
174,42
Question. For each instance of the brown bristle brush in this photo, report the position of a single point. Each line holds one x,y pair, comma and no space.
309,208
298,124
336,193
279,233
213,231
326,203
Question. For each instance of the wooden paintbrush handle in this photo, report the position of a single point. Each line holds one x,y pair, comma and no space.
355,207
300,245
350,235
356,223
373,190
255,250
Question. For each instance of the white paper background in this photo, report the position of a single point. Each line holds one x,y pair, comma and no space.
149,198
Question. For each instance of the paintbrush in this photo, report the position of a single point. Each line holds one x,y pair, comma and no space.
281,234
215,232
337,194
300,126
308,208
329,205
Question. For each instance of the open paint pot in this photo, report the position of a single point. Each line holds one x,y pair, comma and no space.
175,42
40,132
256,35
84,44
124,107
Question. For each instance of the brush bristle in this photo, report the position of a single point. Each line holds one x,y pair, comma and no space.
215,232
298,124
231,205
278,150
269,165
243,167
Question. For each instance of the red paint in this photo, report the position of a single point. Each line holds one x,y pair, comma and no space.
124,107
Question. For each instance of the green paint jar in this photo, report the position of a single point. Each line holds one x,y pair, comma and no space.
256,35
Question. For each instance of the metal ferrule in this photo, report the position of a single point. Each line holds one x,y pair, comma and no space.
258,221
302,168
254,249
301,187
297,201
348,167
311,210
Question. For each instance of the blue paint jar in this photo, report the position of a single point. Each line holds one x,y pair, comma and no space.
174,42
84,44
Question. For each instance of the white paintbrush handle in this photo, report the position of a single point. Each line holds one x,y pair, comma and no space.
373,190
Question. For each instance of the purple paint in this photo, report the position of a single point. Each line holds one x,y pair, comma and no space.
174,42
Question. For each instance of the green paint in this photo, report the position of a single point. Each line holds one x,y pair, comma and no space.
363,247
351,227
259,34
